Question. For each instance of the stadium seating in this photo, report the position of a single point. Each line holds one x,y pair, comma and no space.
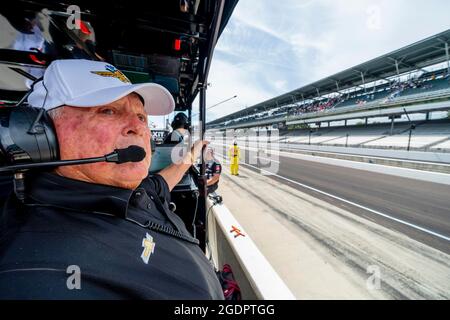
427,136
383,94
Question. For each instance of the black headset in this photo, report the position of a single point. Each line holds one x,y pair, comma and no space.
27,135
180,121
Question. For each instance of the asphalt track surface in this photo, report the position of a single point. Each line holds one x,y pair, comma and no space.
422,204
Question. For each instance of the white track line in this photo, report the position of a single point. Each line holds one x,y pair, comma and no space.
299,148
268,159
419,175
355,204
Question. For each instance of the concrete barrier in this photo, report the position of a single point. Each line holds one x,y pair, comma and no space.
435,157
390,161
254,274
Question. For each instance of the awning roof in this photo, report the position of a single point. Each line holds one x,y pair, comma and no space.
421,54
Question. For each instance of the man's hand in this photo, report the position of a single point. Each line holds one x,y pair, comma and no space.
197,149
175,172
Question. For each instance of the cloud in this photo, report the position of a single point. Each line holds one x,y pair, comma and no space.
272,47
228,80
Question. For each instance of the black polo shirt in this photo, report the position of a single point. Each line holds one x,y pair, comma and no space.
213,167
6,186
125,244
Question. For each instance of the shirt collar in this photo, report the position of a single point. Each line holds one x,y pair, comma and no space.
50,188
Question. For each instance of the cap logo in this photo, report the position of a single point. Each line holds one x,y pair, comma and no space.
112,72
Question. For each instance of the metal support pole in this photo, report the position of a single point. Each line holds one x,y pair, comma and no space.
392,125
448,57
190,118
205,64
202,120
364,82
409,138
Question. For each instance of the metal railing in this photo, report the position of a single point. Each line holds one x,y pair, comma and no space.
377,104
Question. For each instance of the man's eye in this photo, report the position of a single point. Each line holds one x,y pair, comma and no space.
142,118
109,112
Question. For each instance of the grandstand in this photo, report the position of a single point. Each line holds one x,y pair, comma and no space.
413,80
427,136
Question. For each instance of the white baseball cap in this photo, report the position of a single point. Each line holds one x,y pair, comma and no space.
86,83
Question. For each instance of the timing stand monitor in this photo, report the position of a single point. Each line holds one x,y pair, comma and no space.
165,155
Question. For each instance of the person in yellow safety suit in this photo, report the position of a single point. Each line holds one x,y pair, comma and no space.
234,154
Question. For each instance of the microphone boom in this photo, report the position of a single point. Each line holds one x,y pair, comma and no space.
119,156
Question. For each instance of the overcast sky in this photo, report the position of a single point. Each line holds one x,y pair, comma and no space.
271,47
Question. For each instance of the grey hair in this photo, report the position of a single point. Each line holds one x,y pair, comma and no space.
55,113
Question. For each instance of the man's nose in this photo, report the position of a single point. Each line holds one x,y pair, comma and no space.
134,126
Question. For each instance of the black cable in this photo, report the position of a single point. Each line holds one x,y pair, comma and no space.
24,73
194,229
148,225
22,101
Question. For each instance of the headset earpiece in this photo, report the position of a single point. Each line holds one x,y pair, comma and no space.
27,135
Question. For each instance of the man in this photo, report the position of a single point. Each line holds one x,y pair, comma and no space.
213,170
6,187
103,230
180,126
234,154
